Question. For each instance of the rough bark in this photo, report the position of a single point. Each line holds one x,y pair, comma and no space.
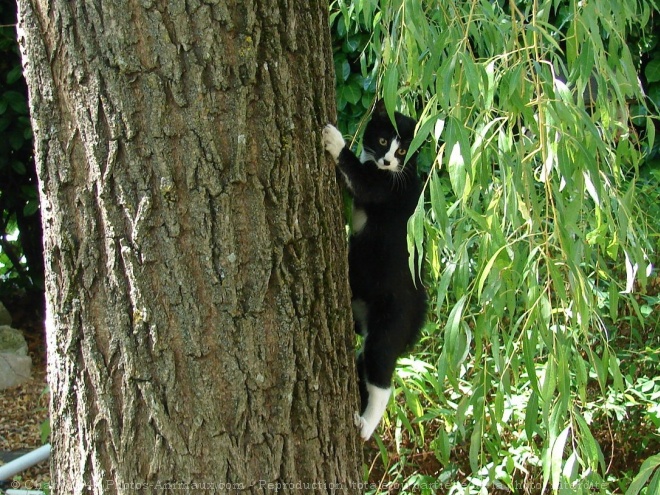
199,321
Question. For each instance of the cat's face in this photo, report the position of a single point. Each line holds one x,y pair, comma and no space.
383,145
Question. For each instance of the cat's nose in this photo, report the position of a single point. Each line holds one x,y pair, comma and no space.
386,162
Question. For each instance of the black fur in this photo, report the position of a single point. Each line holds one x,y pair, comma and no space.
378,254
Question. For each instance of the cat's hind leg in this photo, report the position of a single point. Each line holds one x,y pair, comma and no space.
376,365
376,404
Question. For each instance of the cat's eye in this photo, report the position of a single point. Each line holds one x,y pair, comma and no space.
383,141
401,152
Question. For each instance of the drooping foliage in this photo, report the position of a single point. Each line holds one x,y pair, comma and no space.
537,121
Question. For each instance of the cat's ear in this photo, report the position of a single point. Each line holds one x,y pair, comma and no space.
380,109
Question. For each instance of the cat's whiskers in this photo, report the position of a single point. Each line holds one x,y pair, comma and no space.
400,178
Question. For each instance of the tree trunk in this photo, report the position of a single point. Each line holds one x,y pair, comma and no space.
199,313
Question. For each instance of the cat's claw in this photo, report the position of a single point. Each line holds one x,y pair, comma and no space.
365,430
357,419
333,141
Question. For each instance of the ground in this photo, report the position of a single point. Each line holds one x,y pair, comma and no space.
25,408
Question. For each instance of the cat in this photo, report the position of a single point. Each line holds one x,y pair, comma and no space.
389,306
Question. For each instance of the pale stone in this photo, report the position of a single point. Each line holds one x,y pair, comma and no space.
15,364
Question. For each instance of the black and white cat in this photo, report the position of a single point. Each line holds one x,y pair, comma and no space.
389,307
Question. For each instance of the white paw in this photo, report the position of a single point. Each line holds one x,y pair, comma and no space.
333,141
366,429
376,405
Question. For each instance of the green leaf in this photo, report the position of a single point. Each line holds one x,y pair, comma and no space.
615,373
457,172
18,167
351,93
45,430
549,381
644,474
475,447
15,74
652,71
487,269
403,418
415,238
459,157
650,131
456,341
531,415
390,89
654,485
17,101
29,191
342,68
581,377
383,450
31,207
352,44
16,139
412,402
571,467
454,319
557,456
443,446
589,445
438,204
421,135
472,75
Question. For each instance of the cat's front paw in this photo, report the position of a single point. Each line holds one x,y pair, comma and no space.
333,141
